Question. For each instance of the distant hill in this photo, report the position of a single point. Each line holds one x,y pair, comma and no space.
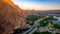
45,11
11,17
53,11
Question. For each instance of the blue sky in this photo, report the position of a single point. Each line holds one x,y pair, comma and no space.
38,4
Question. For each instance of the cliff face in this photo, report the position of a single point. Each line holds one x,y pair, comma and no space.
11,17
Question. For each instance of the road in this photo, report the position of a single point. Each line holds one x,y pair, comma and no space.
34,27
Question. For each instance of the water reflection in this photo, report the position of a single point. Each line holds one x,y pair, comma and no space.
57,21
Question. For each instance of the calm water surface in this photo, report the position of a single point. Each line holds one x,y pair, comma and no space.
57,21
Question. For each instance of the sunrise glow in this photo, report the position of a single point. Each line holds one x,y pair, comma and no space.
38,4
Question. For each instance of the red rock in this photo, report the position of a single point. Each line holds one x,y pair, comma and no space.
11,17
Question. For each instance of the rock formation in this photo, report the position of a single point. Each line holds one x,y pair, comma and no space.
11,17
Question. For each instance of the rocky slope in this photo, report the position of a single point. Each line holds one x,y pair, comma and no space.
11,17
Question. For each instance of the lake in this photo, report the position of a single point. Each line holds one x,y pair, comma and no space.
57,21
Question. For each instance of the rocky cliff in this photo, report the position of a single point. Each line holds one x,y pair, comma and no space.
11,17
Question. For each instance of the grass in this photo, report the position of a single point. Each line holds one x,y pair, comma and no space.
43,23
32,18
45,32
52,18
56,26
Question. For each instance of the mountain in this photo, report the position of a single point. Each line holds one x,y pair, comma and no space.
11,17
52,11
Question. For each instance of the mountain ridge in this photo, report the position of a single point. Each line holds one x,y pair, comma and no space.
11,17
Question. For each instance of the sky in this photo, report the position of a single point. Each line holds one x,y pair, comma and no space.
38,4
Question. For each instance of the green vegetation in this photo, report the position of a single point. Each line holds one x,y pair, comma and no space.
45,32
52,18
32,18
57,33
56,26
43,22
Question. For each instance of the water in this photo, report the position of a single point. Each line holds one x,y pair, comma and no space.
57,21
